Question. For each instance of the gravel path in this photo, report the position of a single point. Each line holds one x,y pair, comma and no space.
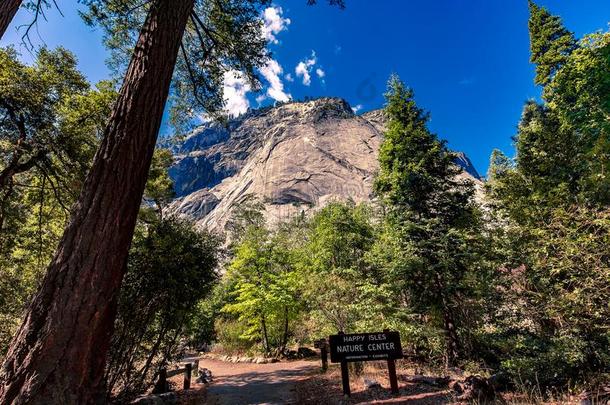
247,383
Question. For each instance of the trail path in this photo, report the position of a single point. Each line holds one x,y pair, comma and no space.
247,383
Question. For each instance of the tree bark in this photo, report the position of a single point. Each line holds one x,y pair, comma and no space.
265,335
15,167
451,338
285,336
59,352
8,9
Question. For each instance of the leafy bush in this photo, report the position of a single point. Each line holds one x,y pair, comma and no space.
171,268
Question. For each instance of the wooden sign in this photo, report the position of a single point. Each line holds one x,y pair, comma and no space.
365,347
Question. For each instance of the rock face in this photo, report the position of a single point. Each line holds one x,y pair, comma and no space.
295,158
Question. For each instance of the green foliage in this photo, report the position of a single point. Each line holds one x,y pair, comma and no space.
39,130
52,122
551,213
553,326
265,287
171,267
430,247
580,96
201,330
230,336
247,214
302,280
342,290
221,36
159,186
550,43
520,284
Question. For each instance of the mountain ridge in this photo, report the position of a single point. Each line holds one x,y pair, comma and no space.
295,157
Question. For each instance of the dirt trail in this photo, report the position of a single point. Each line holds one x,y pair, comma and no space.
247,383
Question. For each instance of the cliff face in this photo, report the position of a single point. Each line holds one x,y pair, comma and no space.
295,158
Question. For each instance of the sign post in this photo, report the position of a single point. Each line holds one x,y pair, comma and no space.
384,345
322,344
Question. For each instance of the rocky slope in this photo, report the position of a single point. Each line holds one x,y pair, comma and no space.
294,158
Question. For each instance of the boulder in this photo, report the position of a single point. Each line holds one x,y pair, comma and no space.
477,388
205,376
371,384
305,352
434,381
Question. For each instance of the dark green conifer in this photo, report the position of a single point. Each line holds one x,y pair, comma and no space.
550,43
432,220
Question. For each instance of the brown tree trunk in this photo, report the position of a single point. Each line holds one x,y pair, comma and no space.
265,335
59,353
451,337
8,9
285,337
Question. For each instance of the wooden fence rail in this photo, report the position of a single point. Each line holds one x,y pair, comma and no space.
189,368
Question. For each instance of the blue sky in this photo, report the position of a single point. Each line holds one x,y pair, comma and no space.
467,60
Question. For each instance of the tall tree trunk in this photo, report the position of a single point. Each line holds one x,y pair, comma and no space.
285,337
265,334
59,353
8,9
451,337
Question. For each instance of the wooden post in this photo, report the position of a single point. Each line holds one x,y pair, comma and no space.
345,378
324,354
187,376
161,385
392,372
393,378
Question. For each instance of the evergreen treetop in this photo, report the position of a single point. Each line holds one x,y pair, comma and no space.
416,168
550,43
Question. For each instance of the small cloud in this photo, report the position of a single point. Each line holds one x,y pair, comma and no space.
304,67
260,98
289,77
338,49
301,70
321,73
274,23
467,81
357,108
272,71
235,88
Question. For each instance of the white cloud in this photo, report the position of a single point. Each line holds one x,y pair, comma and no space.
357,108
289,77
274,23
304,67
260,98
272,71
301,70
235,88
321,73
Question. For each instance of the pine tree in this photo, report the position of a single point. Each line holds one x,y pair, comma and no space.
552,209
548,154
550,43
430,213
